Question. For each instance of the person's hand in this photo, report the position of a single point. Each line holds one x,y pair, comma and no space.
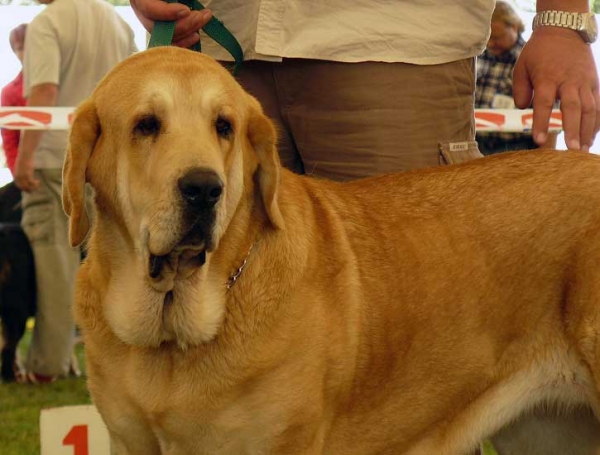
187,25
24,177
556,64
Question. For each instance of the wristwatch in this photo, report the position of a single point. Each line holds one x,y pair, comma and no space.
582,23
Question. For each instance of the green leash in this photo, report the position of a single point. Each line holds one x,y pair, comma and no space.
162,34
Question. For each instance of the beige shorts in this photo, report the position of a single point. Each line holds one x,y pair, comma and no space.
349,120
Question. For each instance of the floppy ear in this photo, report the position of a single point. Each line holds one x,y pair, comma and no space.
263,137
82,139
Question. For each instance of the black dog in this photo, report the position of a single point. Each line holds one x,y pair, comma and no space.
17,279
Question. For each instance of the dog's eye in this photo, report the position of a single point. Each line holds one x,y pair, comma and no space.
147,126
223,127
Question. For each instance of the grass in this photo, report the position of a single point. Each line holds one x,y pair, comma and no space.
20,406
488,448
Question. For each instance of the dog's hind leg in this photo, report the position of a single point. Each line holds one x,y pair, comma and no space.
575,428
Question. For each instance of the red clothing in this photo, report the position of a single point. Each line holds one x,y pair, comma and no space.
12,95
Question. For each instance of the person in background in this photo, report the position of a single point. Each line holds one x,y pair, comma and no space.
369,87
494,87
69,47
12,96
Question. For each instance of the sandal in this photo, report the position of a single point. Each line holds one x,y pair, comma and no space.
29,377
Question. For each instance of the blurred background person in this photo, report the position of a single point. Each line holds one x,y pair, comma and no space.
69,47
494,87
12,95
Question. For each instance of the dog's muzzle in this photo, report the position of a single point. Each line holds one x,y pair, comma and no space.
200,190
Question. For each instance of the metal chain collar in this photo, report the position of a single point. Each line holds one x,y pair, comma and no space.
234,277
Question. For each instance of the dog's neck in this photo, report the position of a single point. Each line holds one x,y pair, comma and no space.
239,243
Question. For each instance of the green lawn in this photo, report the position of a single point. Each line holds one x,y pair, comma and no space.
20,407
488,449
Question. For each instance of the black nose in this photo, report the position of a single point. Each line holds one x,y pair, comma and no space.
200,188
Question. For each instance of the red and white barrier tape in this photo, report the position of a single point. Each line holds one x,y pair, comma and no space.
36,118
512,120
60,118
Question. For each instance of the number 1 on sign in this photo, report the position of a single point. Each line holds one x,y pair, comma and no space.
78,438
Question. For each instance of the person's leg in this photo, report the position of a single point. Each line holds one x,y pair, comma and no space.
257,78
351,120
56,264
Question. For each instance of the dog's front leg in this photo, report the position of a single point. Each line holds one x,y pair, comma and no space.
138,440
129,432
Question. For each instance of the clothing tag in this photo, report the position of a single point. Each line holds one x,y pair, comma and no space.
458,152
503,102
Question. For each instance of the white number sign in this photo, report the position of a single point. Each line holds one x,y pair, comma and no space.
73,430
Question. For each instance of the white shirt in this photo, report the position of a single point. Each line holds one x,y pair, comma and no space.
410,31
73,44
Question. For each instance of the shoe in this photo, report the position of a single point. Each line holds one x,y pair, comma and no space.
74,370
29,377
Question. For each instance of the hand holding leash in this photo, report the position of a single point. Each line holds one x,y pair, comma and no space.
180,25
188,22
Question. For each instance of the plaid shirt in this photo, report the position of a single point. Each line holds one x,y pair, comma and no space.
494,77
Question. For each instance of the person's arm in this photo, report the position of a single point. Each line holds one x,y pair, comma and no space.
10,144
41,95
188,22
557,64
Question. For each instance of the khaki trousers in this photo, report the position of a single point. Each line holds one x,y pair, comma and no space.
348,120
56,263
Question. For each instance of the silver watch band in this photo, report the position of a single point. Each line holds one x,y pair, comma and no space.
558,19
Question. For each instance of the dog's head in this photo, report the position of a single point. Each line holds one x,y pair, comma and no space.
169,140
10,203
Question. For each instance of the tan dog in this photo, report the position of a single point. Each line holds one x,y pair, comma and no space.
231,307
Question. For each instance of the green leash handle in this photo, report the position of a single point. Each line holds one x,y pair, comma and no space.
163,31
